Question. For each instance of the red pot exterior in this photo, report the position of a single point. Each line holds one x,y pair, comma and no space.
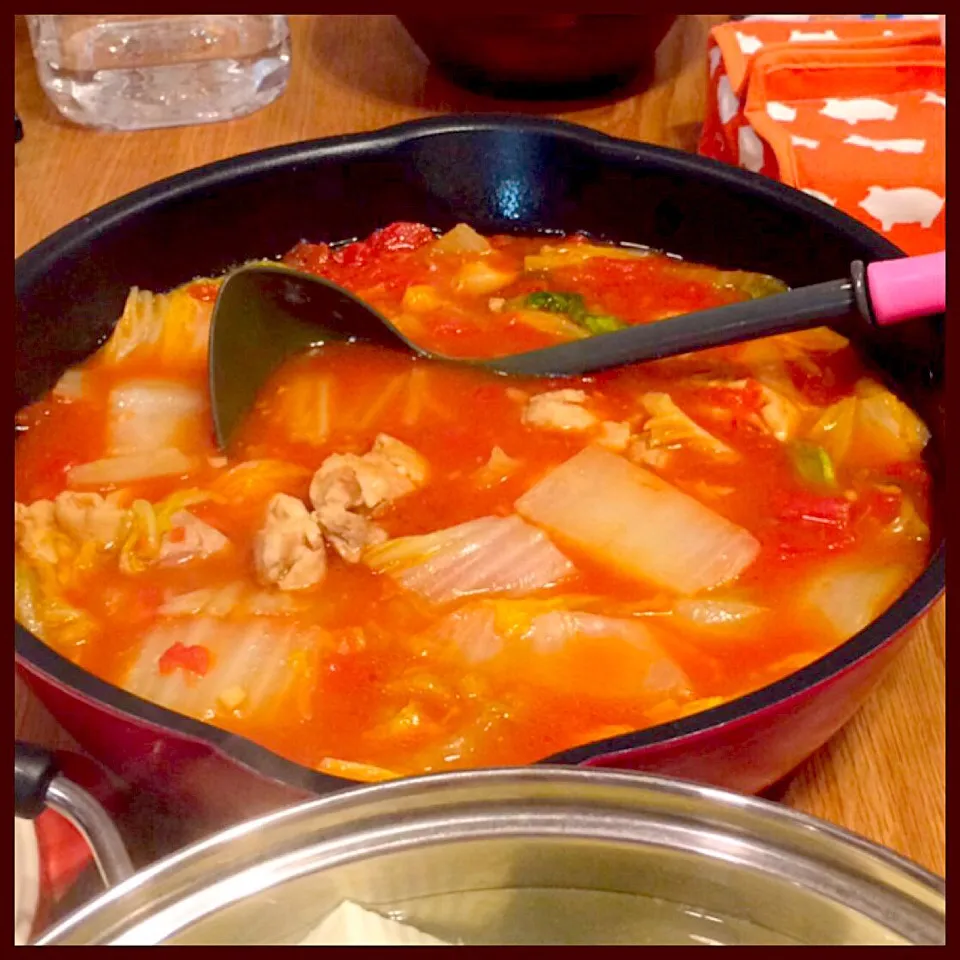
186,774
753,752
747,754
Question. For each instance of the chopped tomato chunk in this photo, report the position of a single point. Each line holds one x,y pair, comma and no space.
192,659
884,504
808,523
205,292
740,401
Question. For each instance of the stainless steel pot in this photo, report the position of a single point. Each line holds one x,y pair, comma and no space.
542,855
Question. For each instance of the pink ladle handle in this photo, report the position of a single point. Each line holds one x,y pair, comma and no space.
907,288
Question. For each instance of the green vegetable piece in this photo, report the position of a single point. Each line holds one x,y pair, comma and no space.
759,285
601,323
572,305
814,465
568,303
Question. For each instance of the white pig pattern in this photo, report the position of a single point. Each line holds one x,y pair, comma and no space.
882,131
856,109
906,205
905,145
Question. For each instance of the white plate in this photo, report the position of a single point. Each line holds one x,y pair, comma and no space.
26,879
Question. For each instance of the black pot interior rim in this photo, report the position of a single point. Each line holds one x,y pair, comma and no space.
259,162
62,672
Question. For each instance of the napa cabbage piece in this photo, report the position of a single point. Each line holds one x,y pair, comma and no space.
115,471
552,257
461,239
351,770
480,628
223,601
40,607
584,654
669,427
473,631
481,278
767,360
716,613
146,415
257,669
873,428
256,481
421,298
635,523
568,651
304,411
70,386
834,428
851,594
753,285
886,429
908,523
781,415
489,555
26,598
148,523
172,328
500,466
814,340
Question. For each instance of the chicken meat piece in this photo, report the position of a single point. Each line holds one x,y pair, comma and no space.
614,435
69,519
499,467
35,529
640,452
289,550
89,516
561,410
670,428
779,415
348,489
189,539
389,471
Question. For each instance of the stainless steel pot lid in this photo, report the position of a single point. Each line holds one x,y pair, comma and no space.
531,855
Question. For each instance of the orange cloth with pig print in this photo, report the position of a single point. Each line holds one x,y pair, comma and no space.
851,112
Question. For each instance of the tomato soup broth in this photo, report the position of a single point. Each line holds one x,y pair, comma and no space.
404,566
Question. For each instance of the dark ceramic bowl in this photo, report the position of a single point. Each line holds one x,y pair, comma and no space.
558,56
501,176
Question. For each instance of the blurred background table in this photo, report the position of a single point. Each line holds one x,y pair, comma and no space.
883,776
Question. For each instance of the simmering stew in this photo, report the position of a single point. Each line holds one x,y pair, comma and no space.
403,567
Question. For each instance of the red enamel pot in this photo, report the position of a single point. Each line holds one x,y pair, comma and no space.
500,175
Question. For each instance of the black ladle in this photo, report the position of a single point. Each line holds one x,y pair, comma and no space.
266,313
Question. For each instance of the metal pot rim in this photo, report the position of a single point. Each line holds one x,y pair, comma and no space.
542,802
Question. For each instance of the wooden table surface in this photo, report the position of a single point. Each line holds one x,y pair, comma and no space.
883,776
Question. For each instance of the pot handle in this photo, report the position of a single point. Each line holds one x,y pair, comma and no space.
38,784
